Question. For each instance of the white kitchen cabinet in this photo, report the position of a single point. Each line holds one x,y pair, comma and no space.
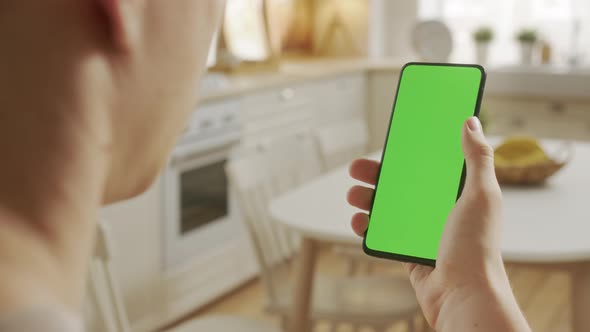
382,90
302,105
275,112
540,117
136,239
339,97
153,296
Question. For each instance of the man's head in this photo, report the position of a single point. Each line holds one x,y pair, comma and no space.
122,73
93,94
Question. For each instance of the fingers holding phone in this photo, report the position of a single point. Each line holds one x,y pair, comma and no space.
469,259
437,204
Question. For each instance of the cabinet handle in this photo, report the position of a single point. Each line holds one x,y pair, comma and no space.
301,136
261,146
342,85
287,94
206,124
558,107
518,122
228,118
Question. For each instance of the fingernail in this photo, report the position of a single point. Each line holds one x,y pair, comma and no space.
473,124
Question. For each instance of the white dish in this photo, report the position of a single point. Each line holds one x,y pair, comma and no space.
433,41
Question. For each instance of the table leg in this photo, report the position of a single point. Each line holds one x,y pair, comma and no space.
304,275
580,291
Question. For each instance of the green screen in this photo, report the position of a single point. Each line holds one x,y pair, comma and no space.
423,161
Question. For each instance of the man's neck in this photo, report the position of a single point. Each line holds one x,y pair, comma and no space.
54,154
51,185
54,162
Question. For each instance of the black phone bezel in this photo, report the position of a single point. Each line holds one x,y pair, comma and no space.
400,257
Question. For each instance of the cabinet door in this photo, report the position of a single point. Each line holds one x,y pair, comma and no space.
579,113
275,112
542,118
510,117
382,90
135,235
304,105
339,97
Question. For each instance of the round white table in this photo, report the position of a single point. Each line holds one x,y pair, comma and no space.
546,227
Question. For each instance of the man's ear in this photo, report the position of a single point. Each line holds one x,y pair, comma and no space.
122,22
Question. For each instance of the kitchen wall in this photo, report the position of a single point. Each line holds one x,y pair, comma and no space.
390,28
341,27
322,27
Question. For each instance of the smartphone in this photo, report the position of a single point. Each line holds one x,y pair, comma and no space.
423,166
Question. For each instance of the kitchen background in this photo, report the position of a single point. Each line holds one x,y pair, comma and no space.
320,75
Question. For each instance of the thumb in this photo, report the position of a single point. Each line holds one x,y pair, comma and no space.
479,157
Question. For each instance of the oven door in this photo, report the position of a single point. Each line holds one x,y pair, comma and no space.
199,206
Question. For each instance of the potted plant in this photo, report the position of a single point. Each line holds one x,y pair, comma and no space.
483,37
527,38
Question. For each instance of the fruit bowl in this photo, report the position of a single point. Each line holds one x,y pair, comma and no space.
523,161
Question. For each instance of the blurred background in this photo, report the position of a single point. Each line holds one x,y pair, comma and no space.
249,221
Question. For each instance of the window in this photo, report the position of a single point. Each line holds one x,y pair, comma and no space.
461,9
552,10
553,19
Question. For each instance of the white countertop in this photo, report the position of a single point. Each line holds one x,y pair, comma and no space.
509,81
226,85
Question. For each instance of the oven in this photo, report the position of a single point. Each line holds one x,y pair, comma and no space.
200,209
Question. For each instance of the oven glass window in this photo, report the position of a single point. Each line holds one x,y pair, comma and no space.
204,196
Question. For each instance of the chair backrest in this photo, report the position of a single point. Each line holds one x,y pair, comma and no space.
104,309
341,142
261,175
294,159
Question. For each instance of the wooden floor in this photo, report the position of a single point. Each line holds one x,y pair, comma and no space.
544,297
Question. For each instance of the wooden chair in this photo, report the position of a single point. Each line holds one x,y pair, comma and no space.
104,310
295,152
341,142
371,301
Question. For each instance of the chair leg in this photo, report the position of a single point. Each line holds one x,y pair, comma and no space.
352,268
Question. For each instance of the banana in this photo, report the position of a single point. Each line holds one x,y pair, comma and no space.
521,152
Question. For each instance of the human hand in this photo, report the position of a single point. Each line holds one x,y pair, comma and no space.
469,284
